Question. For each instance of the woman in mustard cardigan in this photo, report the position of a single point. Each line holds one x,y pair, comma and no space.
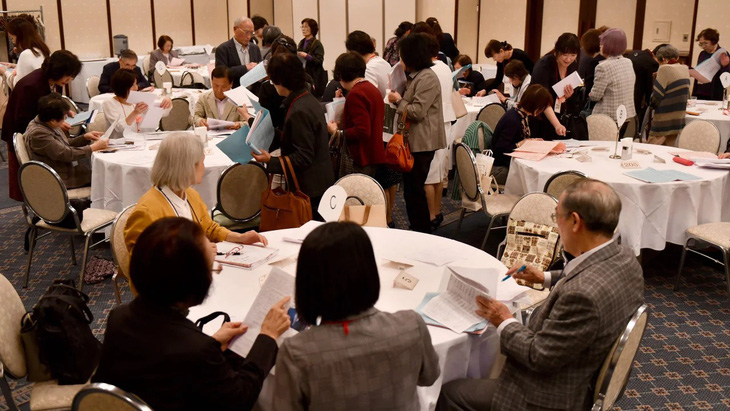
178,166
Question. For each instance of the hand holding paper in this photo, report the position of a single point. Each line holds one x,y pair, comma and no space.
573,80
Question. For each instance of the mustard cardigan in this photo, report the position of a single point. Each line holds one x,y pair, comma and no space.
153,205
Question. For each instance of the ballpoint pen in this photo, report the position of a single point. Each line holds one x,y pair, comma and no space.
519,271
236,253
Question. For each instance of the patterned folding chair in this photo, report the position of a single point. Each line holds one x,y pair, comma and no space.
362,187
119,248
700,135
601,128
558,182
491,114
103,397
238,195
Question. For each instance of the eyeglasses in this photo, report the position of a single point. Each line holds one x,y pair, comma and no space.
246,32
554,216
704,43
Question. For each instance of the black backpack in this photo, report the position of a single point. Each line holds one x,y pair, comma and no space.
59,327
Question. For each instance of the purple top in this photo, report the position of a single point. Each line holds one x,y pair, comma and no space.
305,46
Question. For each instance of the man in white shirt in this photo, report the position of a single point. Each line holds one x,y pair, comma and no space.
214,104
552,361
376,69
238,53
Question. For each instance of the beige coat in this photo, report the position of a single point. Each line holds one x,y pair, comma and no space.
206,107
422,99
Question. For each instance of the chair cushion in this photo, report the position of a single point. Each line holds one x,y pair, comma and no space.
48,395
501,203
715,233
93,219
79,193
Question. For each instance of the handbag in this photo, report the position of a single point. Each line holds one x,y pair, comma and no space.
365,215
282,208
398,152
458,104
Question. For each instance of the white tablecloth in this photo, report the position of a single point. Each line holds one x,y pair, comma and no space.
192,95
710,111
92,67
460,355
459,128
177,73
651,214
120,179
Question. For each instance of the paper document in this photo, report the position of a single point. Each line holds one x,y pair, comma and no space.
335,109
302,232
254,75
536,150
573,79
458,74
82,118
241,96
245,256
215,124
152,117
278,285
651,175
113,131
142,97
176,62
706,71
507,290
454,308
261,134
483,101
476,329
397,79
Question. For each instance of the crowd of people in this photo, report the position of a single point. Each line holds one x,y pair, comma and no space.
153,350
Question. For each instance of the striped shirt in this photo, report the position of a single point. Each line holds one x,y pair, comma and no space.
669,99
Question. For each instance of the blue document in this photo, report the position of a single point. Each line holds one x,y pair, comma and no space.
255,74
459,74
650,175
235,147
261,134
84,117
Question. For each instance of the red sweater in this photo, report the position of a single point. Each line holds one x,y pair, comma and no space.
362,122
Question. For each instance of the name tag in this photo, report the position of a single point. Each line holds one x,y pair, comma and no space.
74,163
557,106
405,281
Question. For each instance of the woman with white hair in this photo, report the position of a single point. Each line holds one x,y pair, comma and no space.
179,165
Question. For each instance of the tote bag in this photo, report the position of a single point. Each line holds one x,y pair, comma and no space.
397,152
283,208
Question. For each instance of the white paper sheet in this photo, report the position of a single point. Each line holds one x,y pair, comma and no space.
239,96
176,62
454,308
706,71
252,76
483,101
335,109
152,117
142,97
397,79
573,79
278,285
215,124
81,118
261,134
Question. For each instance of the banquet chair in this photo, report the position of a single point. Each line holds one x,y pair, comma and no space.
700,135
558,182
631,128
198,79
92,86
45,395
45,197
179,117
491,114
146,65
494,206
100,396
714,234
616,369
99,123
238,194
75,130
159,79
186,79
601,128
362,189
120,254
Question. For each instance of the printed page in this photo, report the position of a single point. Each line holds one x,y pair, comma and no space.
254,75
527,155
152,117
573,79
705,71
215,124
542,147
238,96
335,109
80,118
246,256
483,101
455,307
691,155
176,62
278,285
262,132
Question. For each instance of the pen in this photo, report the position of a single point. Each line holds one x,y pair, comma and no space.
519,271
236,253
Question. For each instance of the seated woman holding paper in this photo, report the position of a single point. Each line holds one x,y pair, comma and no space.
48,143
513,128
345,359
163,53
520,79
123,82
473,80
178,166
614,78
213,104
150,347
304,137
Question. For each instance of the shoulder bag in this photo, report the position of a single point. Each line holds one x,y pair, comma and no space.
281,208
398,152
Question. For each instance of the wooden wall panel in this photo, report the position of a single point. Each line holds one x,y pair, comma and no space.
173,18
283,17
83,34
559,16
210,18
396,11
236,8
468,19
263,8
618,13
302,9
502,20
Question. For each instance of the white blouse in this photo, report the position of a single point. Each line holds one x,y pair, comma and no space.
180,206
27,62
113,109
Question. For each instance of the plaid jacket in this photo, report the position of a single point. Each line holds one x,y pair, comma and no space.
553,362
613,85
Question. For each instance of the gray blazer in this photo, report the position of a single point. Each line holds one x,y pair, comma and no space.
227,55
552,363
206,107
51,146
376,366
157,55
422,99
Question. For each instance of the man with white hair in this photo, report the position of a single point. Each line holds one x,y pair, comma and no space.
238,53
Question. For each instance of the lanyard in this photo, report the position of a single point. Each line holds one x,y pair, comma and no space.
192,211
294,101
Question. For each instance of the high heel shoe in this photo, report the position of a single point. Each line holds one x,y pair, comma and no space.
436,222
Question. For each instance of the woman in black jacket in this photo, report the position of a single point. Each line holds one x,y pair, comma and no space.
502,52
446,42
312,51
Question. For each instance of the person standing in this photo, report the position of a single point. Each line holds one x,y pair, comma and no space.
311,51
390,52
669,97
377,70
708,40
238,53
615,77
502,52
29,46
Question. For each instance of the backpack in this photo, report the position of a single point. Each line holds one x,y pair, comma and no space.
57,332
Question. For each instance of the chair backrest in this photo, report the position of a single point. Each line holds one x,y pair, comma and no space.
616,369
364,188
558,182
197,78
102,397
468,174
491,114
700,135
601,128
43,191
99,123
536,208
12,354
92,86
146,64
75,130
179,117
120,253
532,235
186,79
632,127
239,191
21,148
159,79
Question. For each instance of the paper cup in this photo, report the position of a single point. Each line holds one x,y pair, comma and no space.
202,133
167,86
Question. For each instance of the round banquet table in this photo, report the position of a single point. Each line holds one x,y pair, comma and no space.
652,214
191,95
119,179
460,355
710,111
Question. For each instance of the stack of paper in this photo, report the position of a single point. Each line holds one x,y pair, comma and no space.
650,175
241,96
254,75
261,134
536,150
717,163
335,109
483,101
573,79
693,155
176,62
245,256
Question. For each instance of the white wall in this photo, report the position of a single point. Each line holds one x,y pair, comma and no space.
502,20
558,17
679,12
443,10
618,13
333,30
713,14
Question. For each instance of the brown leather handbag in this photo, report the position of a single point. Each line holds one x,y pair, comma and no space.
398,152
282,208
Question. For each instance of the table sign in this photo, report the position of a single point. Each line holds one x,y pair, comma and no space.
405,281
620,119
332,203
725,80
160,67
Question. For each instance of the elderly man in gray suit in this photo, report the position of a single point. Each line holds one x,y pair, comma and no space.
553,361
238,53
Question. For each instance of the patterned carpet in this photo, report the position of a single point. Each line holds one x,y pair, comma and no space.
683,364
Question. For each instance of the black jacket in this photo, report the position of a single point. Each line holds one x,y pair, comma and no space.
227,55
159,355
305,140
108,72
517,54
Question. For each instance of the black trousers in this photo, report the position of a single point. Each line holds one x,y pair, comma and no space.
415,194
